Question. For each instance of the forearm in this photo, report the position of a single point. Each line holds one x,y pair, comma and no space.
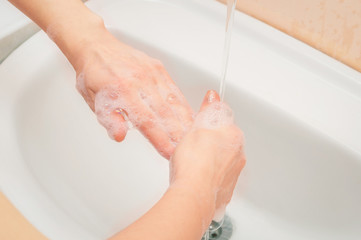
69,23
180,214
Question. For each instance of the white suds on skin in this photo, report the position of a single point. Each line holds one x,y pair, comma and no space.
216,115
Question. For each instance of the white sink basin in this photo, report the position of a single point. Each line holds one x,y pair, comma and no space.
300,111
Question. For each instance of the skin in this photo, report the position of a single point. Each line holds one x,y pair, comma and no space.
145,88
102,61
202,178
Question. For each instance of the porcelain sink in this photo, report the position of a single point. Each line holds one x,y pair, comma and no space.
300,111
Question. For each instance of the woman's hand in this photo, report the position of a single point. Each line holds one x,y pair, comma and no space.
210,157
115,80
204,171
120,83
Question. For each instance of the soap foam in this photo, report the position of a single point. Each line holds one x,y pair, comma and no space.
218,115
107,105
215,115
137,110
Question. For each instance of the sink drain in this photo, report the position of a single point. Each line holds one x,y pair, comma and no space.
216,234
222,233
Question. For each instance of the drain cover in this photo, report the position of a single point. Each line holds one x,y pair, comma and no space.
222,233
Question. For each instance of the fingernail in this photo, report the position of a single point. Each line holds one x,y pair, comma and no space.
211,96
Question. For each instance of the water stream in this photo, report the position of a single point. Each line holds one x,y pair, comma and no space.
231,6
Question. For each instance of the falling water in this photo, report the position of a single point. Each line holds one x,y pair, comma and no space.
231,5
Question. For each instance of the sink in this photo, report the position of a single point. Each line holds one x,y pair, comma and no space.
300,111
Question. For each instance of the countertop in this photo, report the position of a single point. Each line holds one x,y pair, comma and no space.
13,226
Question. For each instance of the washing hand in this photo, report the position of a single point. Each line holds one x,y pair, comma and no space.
115,80
210,157
119,82
203,173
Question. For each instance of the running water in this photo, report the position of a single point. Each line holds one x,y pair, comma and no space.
231,5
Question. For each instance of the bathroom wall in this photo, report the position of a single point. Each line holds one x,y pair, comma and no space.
332,26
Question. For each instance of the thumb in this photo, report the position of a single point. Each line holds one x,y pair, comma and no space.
211,97
213,113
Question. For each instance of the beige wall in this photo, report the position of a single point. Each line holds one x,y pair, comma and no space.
332,26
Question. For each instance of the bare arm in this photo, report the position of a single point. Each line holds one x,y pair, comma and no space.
179,215
69,23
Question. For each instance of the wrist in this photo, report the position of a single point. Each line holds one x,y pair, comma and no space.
201,194
75,36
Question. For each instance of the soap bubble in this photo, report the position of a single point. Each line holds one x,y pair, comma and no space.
215,115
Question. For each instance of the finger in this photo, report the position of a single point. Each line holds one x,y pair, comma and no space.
213,114
145,120
110,115
121,128
175,98
158,138
114,123
180,108
211,97
165,116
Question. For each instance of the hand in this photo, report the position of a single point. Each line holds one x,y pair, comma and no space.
210,157
119,82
